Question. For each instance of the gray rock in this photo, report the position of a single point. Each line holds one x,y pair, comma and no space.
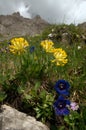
17,26
12,119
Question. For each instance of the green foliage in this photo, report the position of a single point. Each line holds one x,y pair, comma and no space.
2,96
40,100
44,107
74,119
71,119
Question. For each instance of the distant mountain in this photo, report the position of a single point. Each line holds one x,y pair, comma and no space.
16,25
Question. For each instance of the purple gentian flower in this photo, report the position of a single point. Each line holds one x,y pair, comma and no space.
62,87
32,48
61,106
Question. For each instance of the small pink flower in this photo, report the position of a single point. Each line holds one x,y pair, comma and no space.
74,106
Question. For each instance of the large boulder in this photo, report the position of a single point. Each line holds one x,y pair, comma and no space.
12,119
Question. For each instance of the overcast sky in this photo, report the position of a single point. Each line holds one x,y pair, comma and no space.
54,11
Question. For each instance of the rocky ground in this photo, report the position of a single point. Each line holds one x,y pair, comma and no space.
15,25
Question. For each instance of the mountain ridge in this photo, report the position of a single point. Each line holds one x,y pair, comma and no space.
15,25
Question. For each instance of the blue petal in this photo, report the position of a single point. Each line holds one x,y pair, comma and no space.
32,49
64,111
67,102
65,91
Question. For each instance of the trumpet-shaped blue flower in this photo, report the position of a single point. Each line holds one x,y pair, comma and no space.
32,48
62,87
61,106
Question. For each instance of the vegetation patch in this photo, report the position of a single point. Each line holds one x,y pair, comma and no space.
45,76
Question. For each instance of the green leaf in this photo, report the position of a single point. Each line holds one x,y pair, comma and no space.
28,96
2,96
37,85
43,95
38,115
74,115
66,119
62,128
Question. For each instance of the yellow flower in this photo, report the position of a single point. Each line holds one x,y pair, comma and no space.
18,45
35,58
60,57
47,45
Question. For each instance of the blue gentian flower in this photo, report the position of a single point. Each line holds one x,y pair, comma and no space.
32,48
9,43
62,87
61,106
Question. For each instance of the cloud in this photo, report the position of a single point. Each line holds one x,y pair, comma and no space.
11,6
54,11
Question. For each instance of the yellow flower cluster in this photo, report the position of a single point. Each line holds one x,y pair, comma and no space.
18,45
58,53
60,57
47,45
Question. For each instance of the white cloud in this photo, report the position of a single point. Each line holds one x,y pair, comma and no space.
54,11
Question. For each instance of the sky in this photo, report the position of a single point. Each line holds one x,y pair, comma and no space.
53,11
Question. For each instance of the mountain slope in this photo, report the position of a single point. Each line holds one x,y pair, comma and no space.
15,25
